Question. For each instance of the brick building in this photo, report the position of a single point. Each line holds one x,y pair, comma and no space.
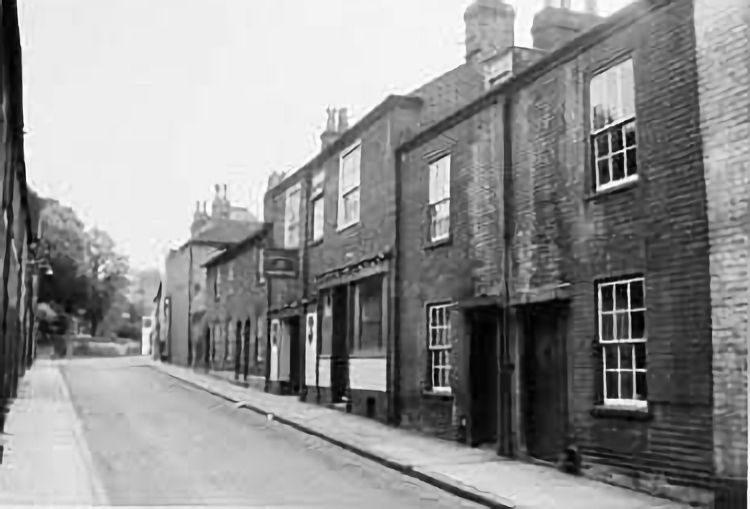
335,223
234,326
185,295
19,225
543,306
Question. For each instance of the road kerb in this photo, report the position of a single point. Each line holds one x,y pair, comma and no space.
444,484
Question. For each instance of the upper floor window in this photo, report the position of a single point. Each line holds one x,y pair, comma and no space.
440,198
622,338
291,217
317,204
217,283
261,271
613,126
349,170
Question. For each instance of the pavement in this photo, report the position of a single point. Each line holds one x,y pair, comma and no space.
474,474
134,432
158,441
46,461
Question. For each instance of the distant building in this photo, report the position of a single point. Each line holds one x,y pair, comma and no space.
234,332
185,285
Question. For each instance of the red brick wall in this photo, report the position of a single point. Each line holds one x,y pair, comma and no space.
723,56
241,298
564,233
449,271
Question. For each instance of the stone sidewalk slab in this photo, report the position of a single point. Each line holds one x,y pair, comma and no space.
475,474
46,460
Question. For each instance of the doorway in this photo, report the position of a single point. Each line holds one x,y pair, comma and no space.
296,355
339,344
483,378
545,380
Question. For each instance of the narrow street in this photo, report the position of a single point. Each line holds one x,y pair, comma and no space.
155,441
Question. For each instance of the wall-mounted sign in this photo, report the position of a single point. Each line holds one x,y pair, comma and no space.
280,263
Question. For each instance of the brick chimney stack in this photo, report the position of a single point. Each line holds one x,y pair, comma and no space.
331,133
489,29
557,23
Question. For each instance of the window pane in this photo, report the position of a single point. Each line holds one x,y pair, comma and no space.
640,355
636,295
603,166
629,130
631,162
608,301
440,219
626,385
598,117
351,206
627,88
608,324
318,218
638,324
616,137
641,389
621,296
618,166
602,144
610,356
626,356
613,391
622,326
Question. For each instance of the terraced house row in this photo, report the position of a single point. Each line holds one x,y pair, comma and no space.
20,211
544,249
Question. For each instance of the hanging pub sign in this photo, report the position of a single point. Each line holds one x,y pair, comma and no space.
280,263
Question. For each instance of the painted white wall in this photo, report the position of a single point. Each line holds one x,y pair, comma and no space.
273,374
368,374
311,348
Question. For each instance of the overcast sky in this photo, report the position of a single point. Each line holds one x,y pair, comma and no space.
135,108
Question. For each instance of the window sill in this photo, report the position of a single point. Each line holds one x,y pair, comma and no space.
315,242
434,244
438,395
341,228
625,186
624,412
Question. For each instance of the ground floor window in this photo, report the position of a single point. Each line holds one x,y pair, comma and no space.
439,346
622,339
368,336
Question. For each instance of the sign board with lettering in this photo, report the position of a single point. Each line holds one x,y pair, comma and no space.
281,263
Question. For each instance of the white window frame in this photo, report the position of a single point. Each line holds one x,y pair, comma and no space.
351,189
317,198
440,349
292,216
261,268
440,196
622,126
621,342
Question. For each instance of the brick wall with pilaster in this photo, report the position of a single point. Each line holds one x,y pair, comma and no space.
723,58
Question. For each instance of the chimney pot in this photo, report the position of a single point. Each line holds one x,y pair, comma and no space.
330,134
555,26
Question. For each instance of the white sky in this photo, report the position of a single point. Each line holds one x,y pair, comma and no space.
135,108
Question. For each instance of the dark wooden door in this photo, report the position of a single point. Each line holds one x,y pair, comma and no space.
296,356
545,383
339,347
484,381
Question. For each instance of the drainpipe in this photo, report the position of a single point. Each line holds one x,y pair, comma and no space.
506,365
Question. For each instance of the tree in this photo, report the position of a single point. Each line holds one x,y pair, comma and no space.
63,242
107,275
